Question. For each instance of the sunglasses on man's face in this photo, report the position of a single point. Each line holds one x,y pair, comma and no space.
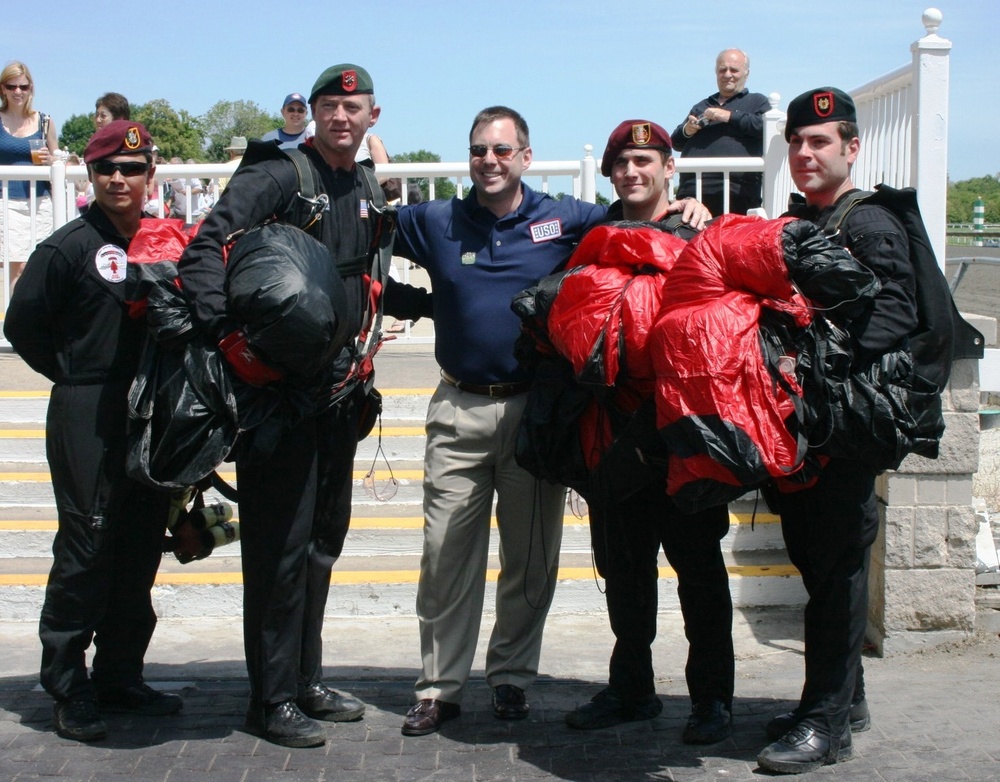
500,151
293,110
127,169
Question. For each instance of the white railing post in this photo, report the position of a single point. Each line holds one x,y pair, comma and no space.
930,129
57,182
588,175
776,181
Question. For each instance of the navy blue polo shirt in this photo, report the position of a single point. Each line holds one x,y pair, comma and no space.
478,262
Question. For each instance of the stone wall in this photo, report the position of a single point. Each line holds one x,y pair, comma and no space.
923,582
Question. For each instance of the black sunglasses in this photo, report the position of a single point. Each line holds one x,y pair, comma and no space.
296,111
127,169
501,151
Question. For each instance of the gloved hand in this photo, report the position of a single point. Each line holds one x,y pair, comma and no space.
247,365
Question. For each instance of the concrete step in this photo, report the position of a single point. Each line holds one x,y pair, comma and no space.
378,573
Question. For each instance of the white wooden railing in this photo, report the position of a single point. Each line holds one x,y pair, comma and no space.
904,128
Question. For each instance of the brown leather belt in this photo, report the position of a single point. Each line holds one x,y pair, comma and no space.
494,390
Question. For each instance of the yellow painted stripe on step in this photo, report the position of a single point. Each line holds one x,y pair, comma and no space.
349,577
385,392
358,522
27,526
406,391
39,434
367,522
229,477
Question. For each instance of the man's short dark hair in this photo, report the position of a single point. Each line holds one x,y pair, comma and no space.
848,130
116,104
494,113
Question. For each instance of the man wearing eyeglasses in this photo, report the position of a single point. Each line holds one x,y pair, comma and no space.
294,132
68,320
480,251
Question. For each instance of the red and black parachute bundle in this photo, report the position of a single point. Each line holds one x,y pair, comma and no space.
728,399
591,321
182,412
686,360
154,290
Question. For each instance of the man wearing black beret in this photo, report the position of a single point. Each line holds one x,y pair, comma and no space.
295,483
829,527
69,321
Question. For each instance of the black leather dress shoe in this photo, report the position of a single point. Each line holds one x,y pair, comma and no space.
607,708
426,715
709,723
509,703
860,721
283,723
79,719
321,703
804,749
138,699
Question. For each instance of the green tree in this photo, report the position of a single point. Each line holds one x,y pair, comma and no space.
76,132
176,134
962,196
444,188
234,118
599,198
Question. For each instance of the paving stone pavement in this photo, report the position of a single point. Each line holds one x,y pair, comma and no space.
935,715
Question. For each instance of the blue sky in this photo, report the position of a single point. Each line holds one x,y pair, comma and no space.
574,68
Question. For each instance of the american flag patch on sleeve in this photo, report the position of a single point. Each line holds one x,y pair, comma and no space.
363,213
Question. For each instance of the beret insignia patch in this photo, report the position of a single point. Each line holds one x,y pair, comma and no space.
823,104
641,133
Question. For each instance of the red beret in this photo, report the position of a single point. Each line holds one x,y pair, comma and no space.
634,134
121,137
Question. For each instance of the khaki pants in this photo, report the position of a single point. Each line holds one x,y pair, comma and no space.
469,458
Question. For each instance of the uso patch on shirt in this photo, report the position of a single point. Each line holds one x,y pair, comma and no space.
111,263
547,231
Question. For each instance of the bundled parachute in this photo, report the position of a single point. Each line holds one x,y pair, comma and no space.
596,315
182,411
728,398
608,301
285,291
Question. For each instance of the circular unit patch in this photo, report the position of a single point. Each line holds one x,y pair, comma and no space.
111,262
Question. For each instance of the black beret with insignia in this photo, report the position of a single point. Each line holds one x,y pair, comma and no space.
826,104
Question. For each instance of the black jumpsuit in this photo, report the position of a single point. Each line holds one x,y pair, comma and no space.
67,320
294,494
829,528
627,535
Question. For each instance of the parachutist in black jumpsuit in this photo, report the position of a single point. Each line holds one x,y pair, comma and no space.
294,493
68,321
830,527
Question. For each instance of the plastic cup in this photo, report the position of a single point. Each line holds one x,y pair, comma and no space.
37,145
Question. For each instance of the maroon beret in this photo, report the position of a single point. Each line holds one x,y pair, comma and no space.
634,134
121,137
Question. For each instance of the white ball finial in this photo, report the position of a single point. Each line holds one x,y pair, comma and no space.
932,20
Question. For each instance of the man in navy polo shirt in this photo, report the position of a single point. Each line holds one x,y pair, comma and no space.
480,251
